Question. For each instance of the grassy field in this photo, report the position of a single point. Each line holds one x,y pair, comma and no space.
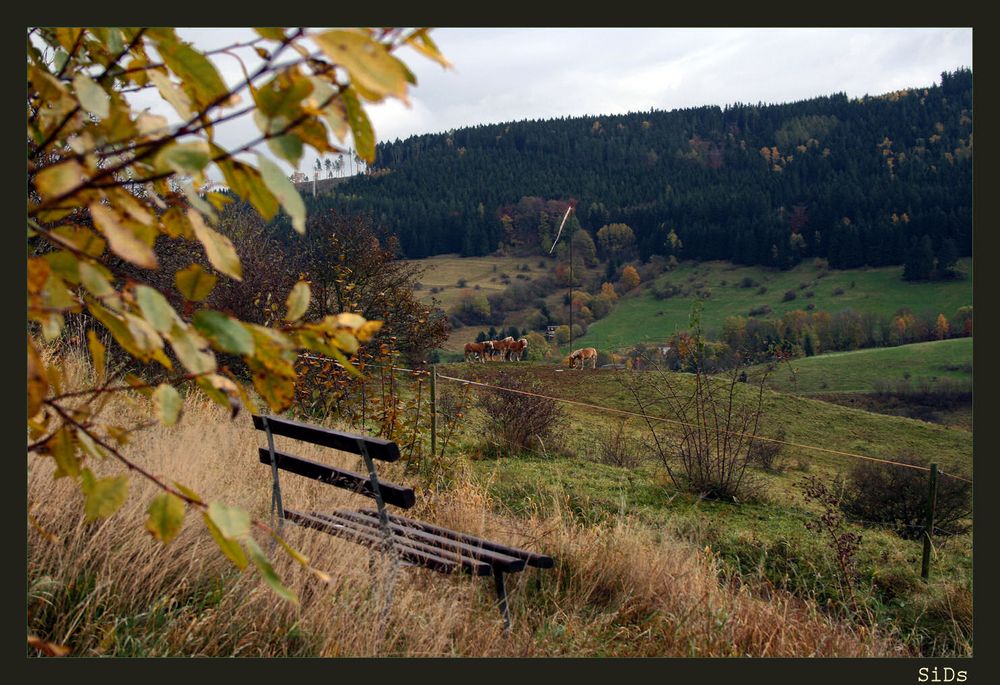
640,317
859,371
622,587
444,272
766,538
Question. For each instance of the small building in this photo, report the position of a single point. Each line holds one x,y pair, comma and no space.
550,332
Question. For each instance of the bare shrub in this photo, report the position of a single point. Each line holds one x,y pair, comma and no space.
789,296
518,422
897,497
618,448
717,421
766,454
761,310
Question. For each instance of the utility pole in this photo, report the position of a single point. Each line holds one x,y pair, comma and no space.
559,233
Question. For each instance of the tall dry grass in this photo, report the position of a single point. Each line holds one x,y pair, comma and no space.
108,588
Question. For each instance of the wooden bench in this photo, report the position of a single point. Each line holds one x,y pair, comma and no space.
412,542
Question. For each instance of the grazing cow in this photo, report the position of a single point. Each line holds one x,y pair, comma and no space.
478,349
517,349
583,354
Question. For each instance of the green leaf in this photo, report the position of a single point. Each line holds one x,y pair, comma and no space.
92,97
166,516
184,158
103,497
167,403
218,247
246,182
270,33
191,349
155,309
94,280
369,63
62,447
195,283
124,241
193,68
233,523
361,126
298,301
231,548
267,572
191,494
287,146
283,189
225,332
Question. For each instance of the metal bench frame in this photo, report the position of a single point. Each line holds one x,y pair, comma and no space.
407,541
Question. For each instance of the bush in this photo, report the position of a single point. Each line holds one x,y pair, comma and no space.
764,453
761,290
747,282
789,296
896,496
618,448
762,310
461,283
838,291
519,422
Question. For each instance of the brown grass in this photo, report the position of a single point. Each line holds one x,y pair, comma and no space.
108,588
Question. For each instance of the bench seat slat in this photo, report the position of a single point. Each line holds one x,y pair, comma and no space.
385,450
428,544
372,538
505,562
532,559
397,495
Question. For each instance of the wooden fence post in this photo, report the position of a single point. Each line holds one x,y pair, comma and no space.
433,410
925,564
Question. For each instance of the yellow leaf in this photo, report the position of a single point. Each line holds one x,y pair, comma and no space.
59,179
123,240
38,383
166,516
195,283
298,301
96,355
369,63
218,247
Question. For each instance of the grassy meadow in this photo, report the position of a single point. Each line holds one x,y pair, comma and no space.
626,583
860,371
640,317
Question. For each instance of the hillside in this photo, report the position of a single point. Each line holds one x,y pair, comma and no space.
850,180
641,317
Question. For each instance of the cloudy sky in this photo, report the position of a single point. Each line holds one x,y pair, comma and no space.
512,74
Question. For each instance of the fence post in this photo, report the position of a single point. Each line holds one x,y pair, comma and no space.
925,565
434,421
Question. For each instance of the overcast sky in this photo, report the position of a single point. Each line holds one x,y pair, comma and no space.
513,74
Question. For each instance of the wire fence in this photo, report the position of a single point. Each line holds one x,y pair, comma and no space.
435,412
658,419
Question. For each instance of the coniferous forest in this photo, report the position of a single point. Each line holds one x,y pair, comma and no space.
869,180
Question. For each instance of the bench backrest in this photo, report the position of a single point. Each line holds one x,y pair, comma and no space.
369,448
384,450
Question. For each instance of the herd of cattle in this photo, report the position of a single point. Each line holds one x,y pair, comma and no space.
510,350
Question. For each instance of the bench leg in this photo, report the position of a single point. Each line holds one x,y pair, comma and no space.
502,597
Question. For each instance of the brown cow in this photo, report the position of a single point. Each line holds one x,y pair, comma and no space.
583,354
478,349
